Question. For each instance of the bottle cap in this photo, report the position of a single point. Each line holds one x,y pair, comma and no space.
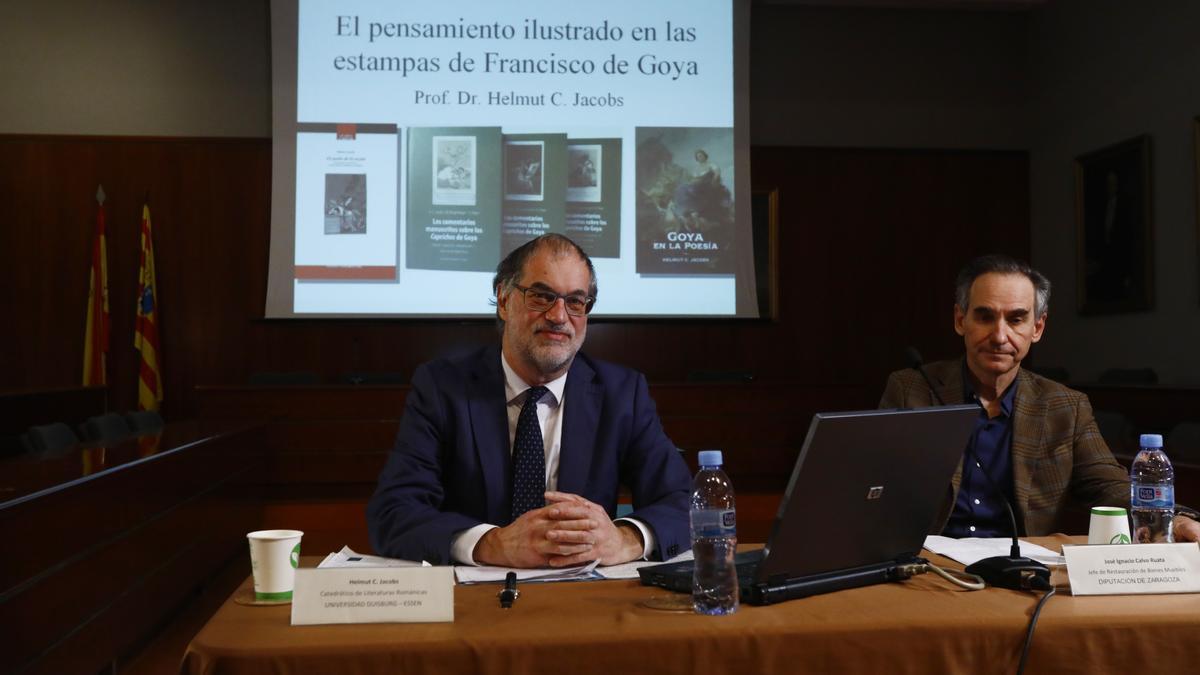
1150,441
711,458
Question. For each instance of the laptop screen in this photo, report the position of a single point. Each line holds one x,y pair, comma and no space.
866,488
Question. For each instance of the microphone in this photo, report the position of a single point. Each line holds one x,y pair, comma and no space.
1013,571
918,364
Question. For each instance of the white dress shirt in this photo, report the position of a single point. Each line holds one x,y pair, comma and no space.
550,414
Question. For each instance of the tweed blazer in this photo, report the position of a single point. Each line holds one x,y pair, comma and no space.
1057,452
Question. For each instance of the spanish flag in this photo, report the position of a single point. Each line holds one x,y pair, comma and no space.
95,342
145,330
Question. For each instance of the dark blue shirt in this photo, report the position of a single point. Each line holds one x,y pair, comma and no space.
979,510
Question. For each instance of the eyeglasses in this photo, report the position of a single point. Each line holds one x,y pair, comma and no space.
541,300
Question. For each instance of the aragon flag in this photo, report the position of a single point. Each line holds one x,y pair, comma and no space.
95,342
145,330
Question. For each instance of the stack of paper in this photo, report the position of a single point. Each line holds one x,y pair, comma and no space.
348,558
469,574
474,575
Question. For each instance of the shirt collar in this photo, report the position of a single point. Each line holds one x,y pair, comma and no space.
1006,399
514,386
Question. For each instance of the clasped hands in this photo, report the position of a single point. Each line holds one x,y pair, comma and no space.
568,530
1185,529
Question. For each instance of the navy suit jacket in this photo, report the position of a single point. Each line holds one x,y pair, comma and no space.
450,468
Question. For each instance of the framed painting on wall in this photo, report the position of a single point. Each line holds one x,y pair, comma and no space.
1196,140
764,212
1114,228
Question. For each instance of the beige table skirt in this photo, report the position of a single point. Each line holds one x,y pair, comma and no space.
923,625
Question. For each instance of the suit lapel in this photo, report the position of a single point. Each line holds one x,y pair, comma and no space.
489,424
948,377
581,418
1029,422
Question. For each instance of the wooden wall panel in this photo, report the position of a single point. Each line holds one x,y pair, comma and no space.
869,242
20,410
326,445
209,201
73,405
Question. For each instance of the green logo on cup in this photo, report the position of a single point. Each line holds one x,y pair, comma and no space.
1119,538
296,556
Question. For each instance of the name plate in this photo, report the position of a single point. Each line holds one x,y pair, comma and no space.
1122,569
373,595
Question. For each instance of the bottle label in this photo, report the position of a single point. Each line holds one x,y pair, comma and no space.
714,523
1153,496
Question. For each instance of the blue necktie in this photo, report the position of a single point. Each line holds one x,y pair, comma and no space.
529,457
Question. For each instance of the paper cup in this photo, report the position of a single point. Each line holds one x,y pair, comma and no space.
1110,525
274,557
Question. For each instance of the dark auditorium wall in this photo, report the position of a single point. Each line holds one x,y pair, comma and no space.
1087,95
175,102
869,240
209,207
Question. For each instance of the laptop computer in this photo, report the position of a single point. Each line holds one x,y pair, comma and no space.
865,491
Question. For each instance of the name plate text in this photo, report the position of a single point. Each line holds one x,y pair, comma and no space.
1122,569
373,595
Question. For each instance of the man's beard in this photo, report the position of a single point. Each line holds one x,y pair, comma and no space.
548,358
550,361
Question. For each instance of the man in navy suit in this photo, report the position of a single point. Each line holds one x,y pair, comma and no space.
457,484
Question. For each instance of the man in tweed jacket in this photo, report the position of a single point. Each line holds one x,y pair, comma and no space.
1035,438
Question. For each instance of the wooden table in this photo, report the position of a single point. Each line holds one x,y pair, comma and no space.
923,625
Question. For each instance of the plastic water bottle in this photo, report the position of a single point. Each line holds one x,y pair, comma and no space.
1152,492
714,538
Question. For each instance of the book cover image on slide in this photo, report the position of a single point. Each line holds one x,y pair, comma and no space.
535,186
345,203
523,177
337,166
455,169
593,217
684,201
454,195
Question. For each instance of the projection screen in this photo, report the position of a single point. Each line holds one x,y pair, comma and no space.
417,143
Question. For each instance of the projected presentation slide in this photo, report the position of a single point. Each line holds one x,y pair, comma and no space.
429,140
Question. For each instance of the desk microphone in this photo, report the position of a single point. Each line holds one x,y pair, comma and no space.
918,364
1014,570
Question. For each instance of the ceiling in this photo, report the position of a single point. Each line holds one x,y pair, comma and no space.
968,5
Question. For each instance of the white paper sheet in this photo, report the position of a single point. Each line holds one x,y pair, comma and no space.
974,549
629,570
467,574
